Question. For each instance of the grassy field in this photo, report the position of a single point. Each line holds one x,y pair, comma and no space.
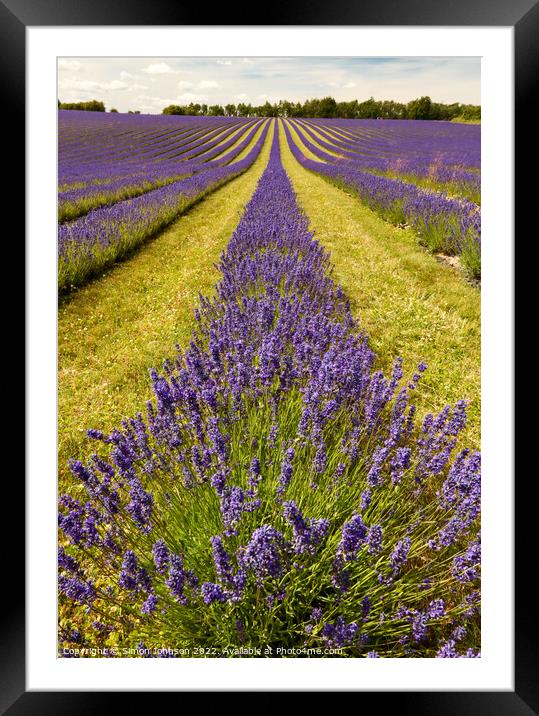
462,120
112,331
410,304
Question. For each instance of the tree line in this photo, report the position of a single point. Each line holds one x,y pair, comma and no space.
92,105
328,107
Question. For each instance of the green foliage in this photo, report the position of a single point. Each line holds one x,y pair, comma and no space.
470,258
92,105
174,109
215,110
421,108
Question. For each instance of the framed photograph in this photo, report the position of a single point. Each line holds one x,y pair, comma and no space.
267,354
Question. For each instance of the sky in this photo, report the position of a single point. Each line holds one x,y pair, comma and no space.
149,84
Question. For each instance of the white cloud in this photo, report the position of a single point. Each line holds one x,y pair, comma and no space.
349,85
159,68
115,85
69,65
126,75
193,97
91,86
203,85
151,104
223,62
267,98
242,96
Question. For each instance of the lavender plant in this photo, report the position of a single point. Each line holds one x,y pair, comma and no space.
278,491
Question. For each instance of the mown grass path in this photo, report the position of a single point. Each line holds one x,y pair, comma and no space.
112,331
408,303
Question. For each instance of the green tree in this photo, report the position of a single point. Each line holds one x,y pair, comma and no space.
420,108
174,109
92,105
215,110
327,107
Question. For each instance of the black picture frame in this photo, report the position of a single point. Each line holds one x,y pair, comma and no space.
523,16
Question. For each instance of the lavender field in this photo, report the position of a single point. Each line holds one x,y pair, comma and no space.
282,484
425,174
119,184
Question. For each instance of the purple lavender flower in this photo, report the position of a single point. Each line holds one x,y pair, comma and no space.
264,555
177,579
374,539
466,567
366,606
374,476
254,477
447,651
232,507
68,563
339,633
400,554
308,534
320,460
77,590
286,472
366,497
459,633
419,626
212,593
221,560
149,605
399,464
132,577
436,609
218,480
354,536
161,556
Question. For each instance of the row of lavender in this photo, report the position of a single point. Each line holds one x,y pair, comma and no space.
443,224
86,143
439,154
106,234
93,168
277,492
113,177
